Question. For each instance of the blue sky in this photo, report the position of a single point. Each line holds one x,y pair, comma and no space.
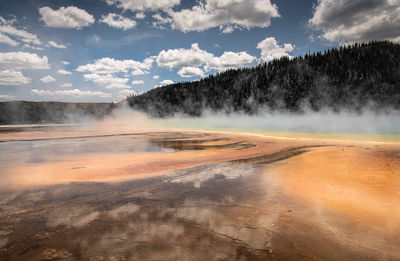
103,50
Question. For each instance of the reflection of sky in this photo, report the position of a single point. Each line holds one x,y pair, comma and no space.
225,210
18,152
160,219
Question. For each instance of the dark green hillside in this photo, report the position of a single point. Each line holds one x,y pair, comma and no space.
347,78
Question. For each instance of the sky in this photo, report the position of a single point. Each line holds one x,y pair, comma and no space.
105,50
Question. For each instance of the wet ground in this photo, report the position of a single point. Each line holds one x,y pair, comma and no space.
196,196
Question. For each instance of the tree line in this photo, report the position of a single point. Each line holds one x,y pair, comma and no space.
346,78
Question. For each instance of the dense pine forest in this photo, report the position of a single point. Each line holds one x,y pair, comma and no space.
347,78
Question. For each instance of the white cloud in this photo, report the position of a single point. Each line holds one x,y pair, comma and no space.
8,77
270,49
137,82
7,40
47,79
65,62
102,71
191,72
140,15
348,21
66,85
107,80
177,58
118,21
195,57
8,30
22,60
117,86
164,83
70,93
33,47
217,13
227,29
160,21
66,17
104,79
139,72
109,65
230,60
7,97
64,72
142,5
156,76
56,45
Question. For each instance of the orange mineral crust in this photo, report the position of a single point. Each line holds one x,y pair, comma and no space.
362,182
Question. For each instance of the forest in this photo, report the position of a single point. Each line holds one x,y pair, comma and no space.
348,78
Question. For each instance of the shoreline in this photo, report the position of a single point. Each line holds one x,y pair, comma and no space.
292,136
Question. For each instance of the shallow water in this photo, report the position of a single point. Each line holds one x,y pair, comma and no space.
79,194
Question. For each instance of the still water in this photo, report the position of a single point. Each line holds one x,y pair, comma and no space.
73,193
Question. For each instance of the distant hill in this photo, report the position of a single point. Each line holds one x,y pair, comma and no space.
18,112
345,78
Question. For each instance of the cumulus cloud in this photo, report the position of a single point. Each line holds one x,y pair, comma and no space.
56,45
107,80
142,5
7,97
230,60
66,17
109,65
65,62
66,85
191,72
348,21
177,58
270,49
64,72
8,77
217,13
102,71
47,79
23,60
118,21
164,83
195,57
8,30
76,93
137,82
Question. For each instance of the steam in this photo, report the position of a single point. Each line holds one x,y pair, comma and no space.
367,122
123,119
